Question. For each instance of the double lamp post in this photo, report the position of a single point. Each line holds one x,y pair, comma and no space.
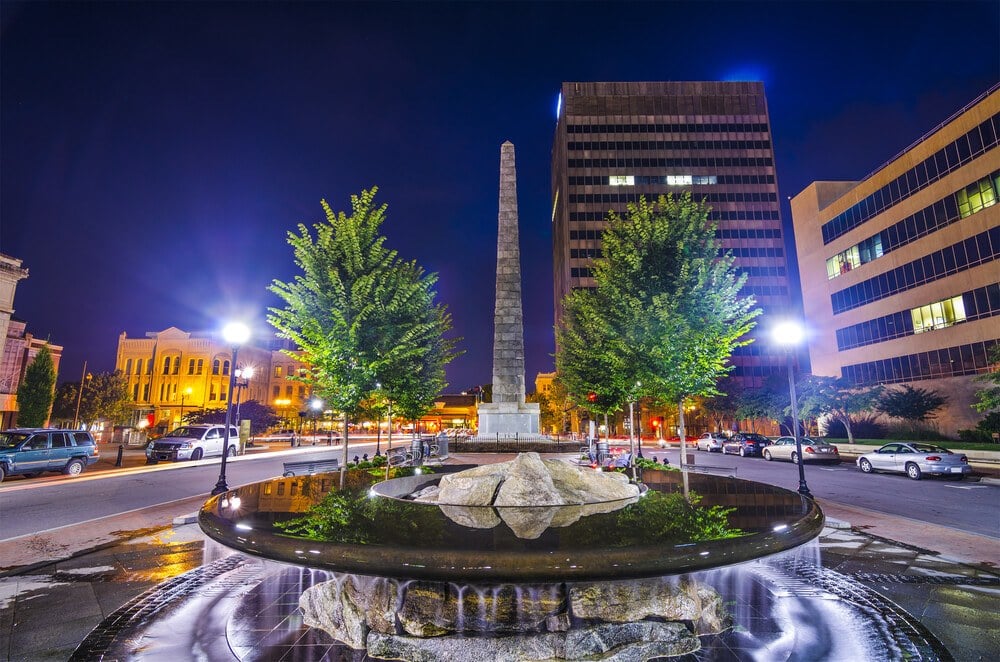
236,334
789,334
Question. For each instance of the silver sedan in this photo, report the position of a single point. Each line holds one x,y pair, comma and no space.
813,450
915,460
711,442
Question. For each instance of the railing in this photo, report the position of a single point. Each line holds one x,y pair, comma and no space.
510,444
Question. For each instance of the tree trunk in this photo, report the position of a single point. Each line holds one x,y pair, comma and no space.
343,463
850,432
680,431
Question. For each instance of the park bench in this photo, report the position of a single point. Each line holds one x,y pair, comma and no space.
306,468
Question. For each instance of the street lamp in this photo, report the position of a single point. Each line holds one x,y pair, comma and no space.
631,427
243,377
317,407
789,334
186,392
236,334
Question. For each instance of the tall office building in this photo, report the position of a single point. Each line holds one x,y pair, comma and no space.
616,142
899,271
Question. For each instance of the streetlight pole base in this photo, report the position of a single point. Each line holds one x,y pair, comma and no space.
221,487
804,489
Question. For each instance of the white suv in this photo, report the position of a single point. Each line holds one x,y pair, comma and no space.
192,442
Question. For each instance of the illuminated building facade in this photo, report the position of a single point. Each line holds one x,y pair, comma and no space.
899,271
173,371
615,142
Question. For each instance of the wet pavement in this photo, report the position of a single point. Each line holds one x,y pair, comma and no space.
48,608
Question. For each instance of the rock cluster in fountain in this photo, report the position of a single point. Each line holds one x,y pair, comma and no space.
422,620
528,494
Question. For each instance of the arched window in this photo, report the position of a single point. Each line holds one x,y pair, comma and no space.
166,365
177,364
225,367
215,368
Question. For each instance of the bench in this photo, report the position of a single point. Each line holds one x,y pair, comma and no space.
307,468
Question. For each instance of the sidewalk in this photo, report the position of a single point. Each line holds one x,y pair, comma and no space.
946,579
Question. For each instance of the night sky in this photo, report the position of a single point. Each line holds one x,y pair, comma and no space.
153,156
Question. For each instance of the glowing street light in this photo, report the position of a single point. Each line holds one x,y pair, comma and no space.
789,334
236,334
243,377
184,394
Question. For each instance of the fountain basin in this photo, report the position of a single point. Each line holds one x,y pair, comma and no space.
683,523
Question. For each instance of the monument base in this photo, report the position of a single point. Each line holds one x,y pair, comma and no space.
509,418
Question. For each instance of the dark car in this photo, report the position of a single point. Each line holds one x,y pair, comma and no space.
745,443
30,451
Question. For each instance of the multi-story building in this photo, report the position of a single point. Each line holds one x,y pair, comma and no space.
171,371
899,271
19,347
615,142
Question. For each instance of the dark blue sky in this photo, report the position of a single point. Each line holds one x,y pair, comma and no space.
153,156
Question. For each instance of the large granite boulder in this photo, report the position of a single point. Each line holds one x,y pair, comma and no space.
608,642
350,605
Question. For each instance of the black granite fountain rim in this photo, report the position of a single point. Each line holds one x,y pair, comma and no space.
400,488
600,561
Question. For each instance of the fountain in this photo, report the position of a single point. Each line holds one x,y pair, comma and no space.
528,559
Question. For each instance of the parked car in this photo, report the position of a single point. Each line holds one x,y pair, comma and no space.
192,442
745,443
711,442
813,450
30,451
915,460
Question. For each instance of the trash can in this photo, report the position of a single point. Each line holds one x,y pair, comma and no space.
417,449
602,451
442,444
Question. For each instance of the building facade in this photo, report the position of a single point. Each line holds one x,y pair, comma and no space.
899,271
19,346
615,142
173,371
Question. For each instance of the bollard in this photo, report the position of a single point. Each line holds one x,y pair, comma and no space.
121,452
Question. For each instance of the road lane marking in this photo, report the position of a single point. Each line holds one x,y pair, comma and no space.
967,487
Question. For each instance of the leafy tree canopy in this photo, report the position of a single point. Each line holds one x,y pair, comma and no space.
666,313
838,398
988,397
35,393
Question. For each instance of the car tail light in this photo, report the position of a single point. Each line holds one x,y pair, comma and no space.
97,451
933,458
809,449
834,449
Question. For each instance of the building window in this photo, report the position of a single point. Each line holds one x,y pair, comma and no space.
302,373
128,367
212,392
302,392
177,364
215,366
276,391
277,371
201,366
190,366
975,197
145,393
166,365
288,391
138,366
621,180
135,392
938,315
225,367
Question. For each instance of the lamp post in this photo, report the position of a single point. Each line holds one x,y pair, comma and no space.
234,333
317,408
186,392
243,377
378,427
789,335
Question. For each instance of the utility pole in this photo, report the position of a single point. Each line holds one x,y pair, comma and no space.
79,395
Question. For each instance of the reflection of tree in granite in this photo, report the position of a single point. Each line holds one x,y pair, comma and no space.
352,516
657,518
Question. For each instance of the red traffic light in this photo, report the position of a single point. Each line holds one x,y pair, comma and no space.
591,397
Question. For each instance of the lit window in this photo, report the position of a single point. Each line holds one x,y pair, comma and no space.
621,180
679,180
277,371
938,315
705,179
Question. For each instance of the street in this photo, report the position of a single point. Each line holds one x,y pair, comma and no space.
30,506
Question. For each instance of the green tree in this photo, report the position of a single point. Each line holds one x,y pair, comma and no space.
106,397
64,405
988,397
36,393
362,316
667,312
838,398
911,404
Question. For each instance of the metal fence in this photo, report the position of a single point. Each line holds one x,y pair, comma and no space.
511,444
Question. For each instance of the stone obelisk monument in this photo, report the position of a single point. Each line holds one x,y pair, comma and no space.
508,414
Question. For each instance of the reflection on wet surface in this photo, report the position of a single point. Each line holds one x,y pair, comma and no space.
682,523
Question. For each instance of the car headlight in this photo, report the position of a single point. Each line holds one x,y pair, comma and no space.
186,444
